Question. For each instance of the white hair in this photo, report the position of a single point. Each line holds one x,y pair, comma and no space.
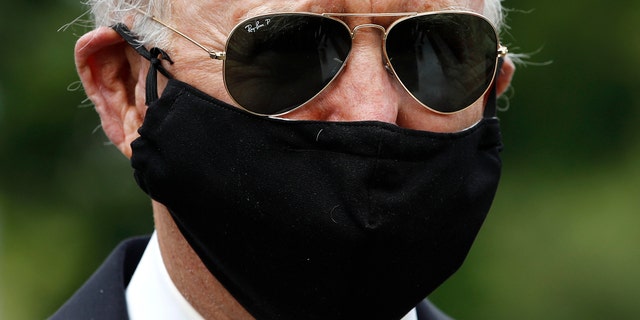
494,12
110,12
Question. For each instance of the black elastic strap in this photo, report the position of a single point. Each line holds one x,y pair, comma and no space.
490,108
155,57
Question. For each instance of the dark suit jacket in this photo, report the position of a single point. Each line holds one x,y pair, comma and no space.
102,297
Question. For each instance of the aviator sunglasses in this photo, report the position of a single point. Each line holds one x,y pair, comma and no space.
276,63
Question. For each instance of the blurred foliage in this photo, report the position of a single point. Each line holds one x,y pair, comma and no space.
560,243
66,196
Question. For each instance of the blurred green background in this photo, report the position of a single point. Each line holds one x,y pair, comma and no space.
560,243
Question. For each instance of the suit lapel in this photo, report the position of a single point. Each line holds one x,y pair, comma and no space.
102,297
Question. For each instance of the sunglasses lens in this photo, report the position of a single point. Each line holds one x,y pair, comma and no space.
276,63
446,61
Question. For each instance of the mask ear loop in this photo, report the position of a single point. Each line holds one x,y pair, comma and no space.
490,110
155,57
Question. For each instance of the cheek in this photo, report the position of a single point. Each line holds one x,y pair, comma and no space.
201,72
414,116
192,64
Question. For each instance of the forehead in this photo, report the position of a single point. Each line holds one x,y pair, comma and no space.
232,11
352,6
213,20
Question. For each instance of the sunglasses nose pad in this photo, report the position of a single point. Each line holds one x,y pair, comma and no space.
387,67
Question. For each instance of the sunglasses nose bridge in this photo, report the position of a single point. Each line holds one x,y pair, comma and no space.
357,28
383,32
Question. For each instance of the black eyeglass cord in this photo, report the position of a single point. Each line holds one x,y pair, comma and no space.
154,55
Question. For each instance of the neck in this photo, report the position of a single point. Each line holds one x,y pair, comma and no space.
194,281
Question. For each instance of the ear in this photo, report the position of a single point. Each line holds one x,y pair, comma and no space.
503,79
112,74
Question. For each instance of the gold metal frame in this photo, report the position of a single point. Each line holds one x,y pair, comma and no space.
501,50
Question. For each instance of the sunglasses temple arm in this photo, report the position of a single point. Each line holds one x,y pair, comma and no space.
212,54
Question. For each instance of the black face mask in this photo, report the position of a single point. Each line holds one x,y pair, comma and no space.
317,220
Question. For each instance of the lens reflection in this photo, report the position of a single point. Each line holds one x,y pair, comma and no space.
446,61
278,62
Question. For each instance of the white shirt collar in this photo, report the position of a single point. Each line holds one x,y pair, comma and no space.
152,295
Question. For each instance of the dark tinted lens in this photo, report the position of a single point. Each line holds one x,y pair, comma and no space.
445,60
278,62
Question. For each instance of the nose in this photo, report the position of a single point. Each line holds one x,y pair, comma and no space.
364,90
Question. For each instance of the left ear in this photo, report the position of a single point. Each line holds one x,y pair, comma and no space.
113,78
504,76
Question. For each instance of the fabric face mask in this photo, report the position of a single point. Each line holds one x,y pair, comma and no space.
317,220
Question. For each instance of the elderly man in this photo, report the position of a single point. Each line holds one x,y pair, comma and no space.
307,159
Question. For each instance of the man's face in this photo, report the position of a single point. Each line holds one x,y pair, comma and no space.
113,75
365,90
